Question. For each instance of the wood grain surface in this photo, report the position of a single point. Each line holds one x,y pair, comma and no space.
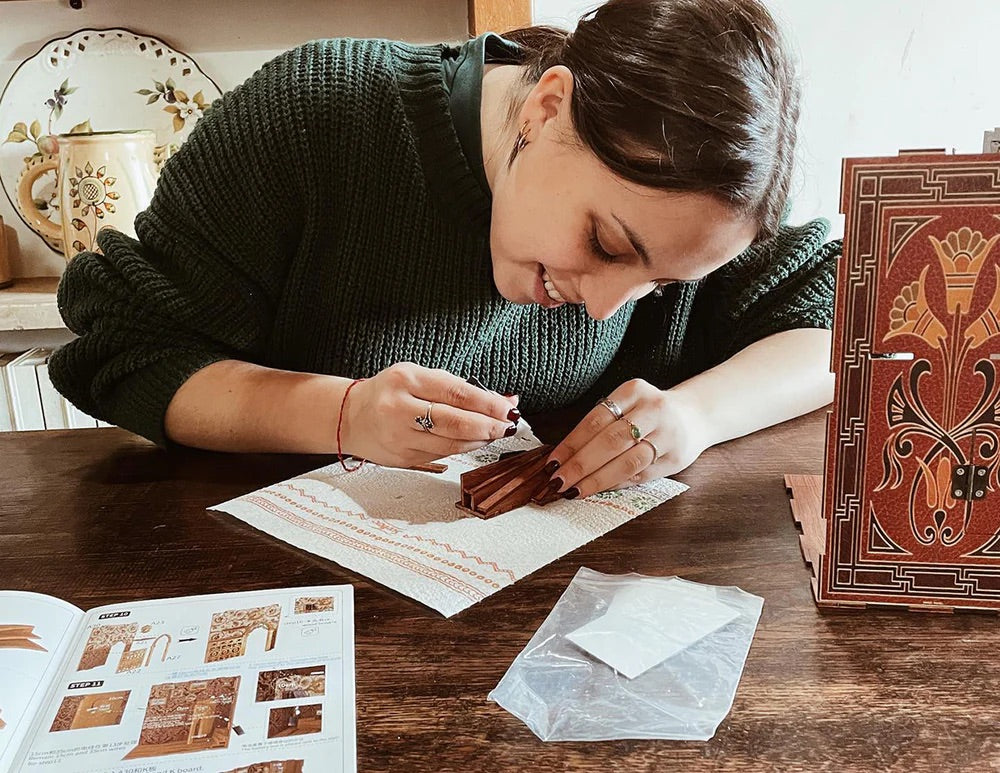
498,15
99,516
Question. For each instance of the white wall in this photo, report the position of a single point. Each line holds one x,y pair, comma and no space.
878,76
229,39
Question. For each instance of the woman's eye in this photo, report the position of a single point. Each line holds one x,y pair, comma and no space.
597,248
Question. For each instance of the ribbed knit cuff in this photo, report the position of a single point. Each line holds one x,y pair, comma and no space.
146,394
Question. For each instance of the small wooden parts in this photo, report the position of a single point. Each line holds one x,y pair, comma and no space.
435,467
513,481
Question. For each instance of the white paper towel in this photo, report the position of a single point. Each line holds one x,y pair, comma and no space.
401,528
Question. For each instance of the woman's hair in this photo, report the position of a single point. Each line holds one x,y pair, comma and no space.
684,95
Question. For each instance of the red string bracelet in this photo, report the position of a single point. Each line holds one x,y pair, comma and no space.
340,421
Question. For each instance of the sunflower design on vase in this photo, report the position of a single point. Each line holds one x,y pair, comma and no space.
105,179
948,432
93,196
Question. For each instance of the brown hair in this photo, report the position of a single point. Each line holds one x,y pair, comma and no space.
687,95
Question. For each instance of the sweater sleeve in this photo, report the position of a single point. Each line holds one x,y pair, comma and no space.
784,283
201,282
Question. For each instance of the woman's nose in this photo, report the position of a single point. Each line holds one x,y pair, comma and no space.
603,296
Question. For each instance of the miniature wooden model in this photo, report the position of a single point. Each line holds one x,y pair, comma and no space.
513,481
910,495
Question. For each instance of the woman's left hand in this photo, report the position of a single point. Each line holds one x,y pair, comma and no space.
602,452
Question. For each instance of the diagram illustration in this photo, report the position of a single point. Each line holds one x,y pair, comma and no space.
274,766
295,720
232,629
307,604
184,717
93,710
20,637
137,647
308,682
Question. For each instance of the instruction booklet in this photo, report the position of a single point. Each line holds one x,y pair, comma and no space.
259,682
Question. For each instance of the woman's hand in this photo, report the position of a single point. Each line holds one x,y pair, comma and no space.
380,416
779,377
602,453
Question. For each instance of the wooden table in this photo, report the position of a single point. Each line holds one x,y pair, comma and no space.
99,516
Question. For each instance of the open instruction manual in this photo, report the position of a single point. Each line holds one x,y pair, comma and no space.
260,681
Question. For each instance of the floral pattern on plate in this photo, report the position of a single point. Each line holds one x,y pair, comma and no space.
95,80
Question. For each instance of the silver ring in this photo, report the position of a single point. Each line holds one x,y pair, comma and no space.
656,451
612,406
426,422
633,430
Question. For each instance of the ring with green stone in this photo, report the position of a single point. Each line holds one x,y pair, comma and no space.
633,429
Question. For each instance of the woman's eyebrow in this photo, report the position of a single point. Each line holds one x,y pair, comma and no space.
637,243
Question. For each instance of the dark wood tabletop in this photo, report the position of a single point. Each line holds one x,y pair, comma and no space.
100,516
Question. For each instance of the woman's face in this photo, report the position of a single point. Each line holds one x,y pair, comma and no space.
561,217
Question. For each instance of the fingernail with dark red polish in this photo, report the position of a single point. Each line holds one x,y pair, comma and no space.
551,467
511,394
510,430
554,485
514,415
572,493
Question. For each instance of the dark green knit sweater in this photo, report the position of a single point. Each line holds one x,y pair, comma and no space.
322,218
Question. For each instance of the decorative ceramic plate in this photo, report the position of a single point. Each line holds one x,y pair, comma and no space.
95,80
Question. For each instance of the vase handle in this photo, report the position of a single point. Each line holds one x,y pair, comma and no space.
26,204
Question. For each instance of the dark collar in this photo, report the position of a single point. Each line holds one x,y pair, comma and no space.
462,70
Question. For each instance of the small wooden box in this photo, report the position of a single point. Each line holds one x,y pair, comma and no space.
910,490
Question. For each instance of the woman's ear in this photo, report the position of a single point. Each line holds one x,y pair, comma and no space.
550,99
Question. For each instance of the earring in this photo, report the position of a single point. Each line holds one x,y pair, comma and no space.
519,143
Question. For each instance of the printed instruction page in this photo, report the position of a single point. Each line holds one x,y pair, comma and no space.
35,633
209,684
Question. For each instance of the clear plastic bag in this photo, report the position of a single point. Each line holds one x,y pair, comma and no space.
563,693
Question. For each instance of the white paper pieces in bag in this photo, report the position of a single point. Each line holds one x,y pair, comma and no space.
648,623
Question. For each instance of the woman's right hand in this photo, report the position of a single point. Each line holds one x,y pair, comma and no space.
379,422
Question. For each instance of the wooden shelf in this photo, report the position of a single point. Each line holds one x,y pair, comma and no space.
30,304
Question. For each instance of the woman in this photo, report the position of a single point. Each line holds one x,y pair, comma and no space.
364,224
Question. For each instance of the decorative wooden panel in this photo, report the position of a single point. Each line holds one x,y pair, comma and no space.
498,15
910,498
